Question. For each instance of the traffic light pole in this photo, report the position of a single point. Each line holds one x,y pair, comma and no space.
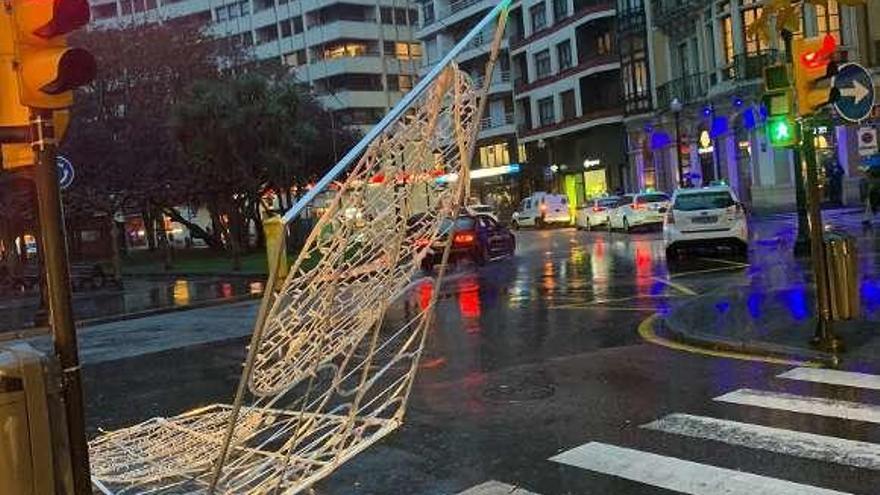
54,249
824,337
802,243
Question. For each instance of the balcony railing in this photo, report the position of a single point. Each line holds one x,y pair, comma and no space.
496,122
631,20
460,5
747,66
687,89
637,103
502,76
674,16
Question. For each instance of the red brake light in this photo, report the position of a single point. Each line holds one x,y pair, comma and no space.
463,238
598,208
639,206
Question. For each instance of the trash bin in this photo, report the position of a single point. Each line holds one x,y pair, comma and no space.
34,457
843,277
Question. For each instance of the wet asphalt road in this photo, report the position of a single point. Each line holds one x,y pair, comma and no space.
529,357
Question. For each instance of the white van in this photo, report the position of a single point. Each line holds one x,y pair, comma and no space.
542,209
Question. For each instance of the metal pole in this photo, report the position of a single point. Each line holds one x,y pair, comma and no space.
678,149
54,249
801,244
824,337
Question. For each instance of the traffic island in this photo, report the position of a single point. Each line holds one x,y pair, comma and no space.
778,323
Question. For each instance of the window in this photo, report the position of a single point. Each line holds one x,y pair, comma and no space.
563,52
569,107
828,19
560,10
267,33
542,64
546,115
754,42
539,17
285,30
604,44
494,155
521,152
428,13
297,23
727,40
349,49
404,51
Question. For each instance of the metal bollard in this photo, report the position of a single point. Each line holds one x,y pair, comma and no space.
841,257
34,457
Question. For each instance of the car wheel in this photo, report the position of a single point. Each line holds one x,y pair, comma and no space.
626,227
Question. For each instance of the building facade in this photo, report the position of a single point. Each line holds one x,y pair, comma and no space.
359,56
704,72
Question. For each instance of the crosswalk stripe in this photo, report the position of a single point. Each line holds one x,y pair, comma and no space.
678,474
818,406
834,377
795,443
495,488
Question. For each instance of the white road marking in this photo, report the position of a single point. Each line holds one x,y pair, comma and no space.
495,488
834,377
794,443
818,406
677,474
678,287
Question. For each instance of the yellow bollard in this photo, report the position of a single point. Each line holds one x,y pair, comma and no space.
276,247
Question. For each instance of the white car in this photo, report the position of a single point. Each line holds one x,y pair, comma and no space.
638,210
708,216
541,210
487,210
595,212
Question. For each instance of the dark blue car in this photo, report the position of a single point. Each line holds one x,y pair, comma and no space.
478,238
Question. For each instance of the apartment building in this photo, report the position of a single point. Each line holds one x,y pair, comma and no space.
499,156
706,64
359,56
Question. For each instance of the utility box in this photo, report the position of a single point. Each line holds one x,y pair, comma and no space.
841,260
34,458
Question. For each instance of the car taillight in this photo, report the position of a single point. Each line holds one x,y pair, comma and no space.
598,208
639,206
463,238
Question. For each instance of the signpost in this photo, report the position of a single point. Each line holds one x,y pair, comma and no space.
867,141
855,92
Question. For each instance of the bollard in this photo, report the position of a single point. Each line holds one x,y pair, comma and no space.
34,454
273,228
841,256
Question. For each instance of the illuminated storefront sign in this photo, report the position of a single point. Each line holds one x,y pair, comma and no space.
482,173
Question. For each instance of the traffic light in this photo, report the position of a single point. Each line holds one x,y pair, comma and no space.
778,99
47,69
813,66
782,131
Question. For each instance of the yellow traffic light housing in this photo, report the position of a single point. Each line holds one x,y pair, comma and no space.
48,70
812,67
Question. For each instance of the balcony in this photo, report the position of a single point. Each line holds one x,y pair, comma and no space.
460,5
597,62
748,66
631,20
687,89
637,103
490,122
517,40
592,117
674,17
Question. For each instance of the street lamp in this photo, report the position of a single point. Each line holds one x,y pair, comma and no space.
676,106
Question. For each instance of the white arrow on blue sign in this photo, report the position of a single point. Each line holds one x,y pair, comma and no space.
65,171
855,88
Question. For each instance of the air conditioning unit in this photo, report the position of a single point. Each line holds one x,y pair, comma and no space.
34,458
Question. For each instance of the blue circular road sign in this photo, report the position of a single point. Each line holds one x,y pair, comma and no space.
65,172
855,92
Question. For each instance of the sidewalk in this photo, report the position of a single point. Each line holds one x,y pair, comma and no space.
140,297
770,311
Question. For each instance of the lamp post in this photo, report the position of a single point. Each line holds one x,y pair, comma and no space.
675,106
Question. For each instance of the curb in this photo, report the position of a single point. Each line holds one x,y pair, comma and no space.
748,347
40,331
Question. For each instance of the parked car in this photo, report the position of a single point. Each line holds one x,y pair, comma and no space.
542,210
595,212
638,210
478,238
480,209
708,216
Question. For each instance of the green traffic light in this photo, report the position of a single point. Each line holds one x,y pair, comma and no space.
781,132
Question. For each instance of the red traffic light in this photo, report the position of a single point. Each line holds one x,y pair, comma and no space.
820,57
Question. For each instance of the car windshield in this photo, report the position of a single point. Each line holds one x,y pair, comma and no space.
652,198
608,203
462,223
709,200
